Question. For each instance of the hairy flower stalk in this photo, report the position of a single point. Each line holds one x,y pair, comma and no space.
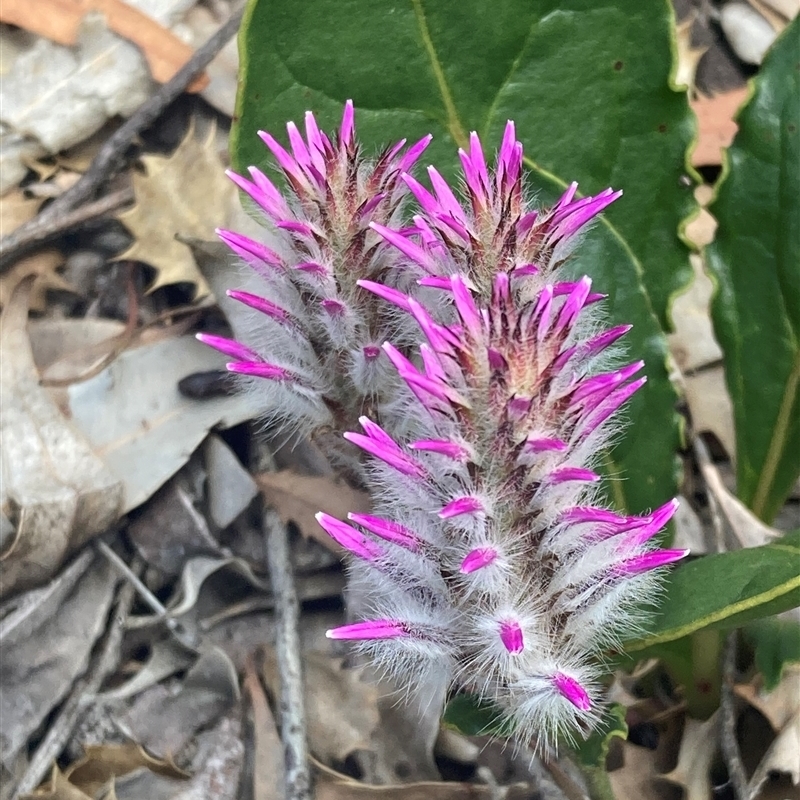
313,334
491,564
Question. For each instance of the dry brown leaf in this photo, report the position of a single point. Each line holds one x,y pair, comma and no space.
59,492
268,774
186,193
103,762
716,126
57,788
43,265
635,779
60,21
779,705
297,498
698,747
15,209
688,55
341,709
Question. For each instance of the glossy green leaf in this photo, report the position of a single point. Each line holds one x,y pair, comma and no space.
726,591
775,643
592,751
469,715
591,104
756,260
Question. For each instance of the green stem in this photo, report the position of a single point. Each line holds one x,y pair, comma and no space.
703,693
598,783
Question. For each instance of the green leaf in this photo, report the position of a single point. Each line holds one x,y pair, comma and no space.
471,716
592,752
726,591
775,643
756,260
591,104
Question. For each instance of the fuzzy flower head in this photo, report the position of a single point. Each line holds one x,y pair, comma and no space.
492,565
497,228
314,336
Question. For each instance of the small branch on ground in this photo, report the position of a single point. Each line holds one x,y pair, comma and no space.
82,694
110,156
729,744
287,646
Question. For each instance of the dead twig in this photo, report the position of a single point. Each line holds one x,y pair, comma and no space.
292,702
82,694
110,156
728,742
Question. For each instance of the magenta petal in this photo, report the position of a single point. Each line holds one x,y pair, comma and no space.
442,447
259,304
387,293
570,689
652,524
349,538
370,629
603,340
408,248
477,559
590,514
511,636
543,445
228,346
524,269
299,148
461,505
603,384
426,200
653,560
389,454
286,162
608,406
466,307
371,351
261,370
388,530
567,474
248,249
347,129
335,308
574,304
413,153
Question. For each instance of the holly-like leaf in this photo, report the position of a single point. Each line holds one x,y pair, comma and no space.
184,194
590,103
725,591
775,643
756,260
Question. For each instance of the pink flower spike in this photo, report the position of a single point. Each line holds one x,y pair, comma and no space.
348,127
574,304
511,636
261,370
461,505
573,222
370,205
566,198
393,296
316,147
466,307
653,524
295,226
440,338
653,560
249,249
408,248
374,431
320,270
413,153
526,222
589,514
444,194
388,530
603,384
228,346
286,162
477,559
348,537
299,148
543,310
442,447
335,308
259,304
391,455
608,406
603,340
371,351
568,474
478,160
507,160
544,445
435,282
571,690
523,270
256,193
276,207
370,629
425,199
433,367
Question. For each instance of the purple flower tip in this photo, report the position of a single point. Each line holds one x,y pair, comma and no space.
511,636
570,689
477,559
371,629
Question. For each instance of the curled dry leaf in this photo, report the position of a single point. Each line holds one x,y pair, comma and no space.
268,770
297,498
185,194
698,748
60,21
716,124
341,708
688,55
46,642
55,488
